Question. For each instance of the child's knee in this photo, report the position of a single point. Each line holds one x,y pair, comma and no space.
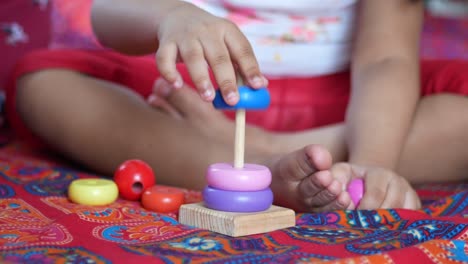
40,84
29,87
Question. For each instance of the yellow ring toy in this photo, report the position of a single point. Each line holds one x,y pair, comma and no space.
93,191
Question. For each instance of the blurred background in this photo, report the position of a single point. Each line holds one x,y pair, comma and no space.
32,24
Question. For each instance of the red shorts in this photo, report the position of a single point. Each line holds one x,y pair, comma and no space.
296,103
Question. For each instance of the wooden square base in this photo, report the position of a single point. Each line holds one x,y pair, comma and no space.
236,224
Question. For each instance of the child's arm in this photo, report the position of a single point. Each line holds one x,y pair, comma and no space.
178,30
385,81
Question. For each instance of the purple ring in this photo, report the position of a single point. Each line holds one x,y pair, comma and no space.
235,201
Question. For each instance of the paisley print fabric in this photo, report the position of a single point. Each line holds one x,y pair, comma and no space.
38,224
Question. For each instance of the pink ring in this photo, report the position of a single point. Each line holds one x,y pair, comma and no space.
251,177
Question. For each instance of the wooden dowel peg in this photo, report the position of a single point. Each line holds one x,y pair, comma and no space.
239,140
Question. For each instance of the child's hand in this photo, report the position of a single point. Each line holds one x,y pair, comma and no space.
195,37
383,188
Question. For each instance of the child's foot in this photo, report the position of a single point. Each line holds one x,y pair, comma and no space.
301,180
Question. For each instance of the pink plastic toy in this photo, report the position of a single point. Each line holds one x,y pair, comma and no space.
356,190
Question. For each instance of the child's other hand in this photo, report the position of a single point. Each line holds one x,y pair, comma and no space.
383,188
199,39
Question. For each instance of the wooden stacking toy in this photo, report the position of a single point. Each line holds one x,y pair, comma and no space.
237,200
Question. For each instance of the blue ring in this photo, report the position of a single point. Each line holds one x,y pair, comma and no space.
252,99
237,201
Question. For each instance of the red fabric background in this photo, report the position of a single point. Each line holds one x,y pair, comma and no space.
36,24
312,102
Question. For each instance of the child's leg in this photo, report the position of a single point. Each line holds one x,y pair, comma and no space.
100,124
435,150
436,146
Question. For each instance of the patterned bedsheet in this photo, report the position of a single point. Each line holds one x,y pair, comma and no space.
38,224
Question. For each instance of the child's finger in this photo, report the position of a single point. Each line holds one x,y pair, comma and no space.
376,186
166,58
320,189
182,100
161,90
342,201
399,192
192,54
159,103
394,197
342,172
220,62
243,55
412,200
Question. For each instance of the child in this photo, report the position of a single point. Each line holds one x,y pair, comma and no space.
90,105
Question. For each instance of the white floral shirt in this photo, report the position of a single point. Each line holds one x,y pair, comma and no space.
292,38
